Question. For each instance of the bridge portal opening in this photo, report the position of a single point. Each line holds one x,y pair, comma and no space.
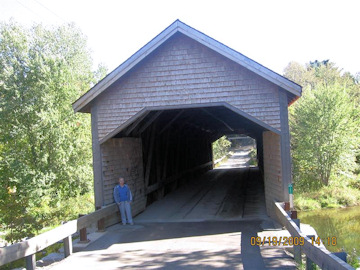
177,161
234,151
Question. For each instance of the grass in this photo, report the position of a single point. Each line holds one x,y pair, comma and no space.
327,197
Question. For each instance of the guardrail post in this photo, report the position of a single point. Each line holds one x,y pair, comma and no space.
83,233
341,255
30,262
287,206
297,248
294,215
309,263
68,248
100,223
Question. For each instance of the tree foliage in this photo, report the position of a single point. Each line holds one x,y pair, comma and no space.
45,148
324,124
221,147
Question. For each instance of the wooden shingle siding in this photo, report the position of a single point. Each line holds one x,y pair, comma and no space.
123,157
182,71
272,170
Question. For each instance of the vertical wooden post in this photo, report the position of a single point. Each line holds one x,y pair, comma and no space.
150,155
287,206
68,249
286,175
177,153
83,236
297,248
309,263
341,255
83,233
100,223
97,158
30,262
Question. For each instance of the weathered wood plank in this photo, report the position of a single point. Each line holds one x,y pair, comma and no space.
158,161
39,242
166,155
171,122
218,119
150,155
97,215
68,248
97,165
136,123
30,262
285,145
150,121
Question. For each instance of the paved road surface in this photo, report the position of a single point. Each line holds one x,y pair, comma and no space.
186,245
239,159
205,224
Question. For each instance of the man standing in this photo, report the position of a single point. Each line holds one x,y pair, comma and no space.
123,197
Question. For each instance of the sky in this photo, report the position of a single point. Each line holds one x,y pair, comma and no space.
271,32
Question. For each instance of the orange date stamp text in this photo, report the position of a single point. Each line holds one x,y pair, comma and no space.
290,241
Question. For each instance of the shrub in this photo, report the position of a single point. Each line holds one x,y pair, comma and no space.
220,147
303,203
327,197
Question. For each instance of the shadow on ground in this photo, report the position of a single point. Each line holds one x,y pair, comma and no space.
225,259
186,245
205,224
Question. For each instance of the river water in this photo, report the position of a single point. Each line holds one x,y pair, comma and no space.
344,224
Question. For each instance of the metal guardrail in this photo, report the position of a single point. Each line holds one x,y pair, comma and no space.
28,248
317,254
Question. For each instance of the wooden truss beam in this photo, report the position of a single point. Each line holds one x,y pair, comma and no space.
150,121
218,119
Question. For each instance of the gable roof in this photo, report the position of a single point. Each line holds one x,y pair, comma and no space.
175,27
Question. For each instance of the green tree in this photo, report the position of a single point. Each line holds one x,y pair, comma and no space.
325,87
221,147
45,149
324,128
324,72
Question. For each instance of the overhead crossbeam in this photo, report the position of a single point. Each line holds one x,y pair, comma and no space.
171,122
136,123
150,121
218,119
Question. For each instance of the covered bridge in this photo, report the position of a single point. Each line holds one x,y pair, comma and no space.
155,116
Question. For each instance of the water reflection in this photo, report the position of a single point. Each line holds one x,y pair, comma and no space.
344,224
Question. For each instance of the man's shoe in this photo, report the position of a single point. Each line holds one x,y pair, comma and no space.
132,223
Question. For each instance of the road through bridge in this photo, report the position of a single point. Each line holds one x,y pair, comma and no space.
205,224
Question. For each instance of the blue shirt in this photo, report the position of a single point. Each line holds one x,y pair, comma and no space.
122,194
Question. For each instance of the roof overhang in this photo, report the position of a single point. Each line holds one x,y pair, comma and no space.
80,105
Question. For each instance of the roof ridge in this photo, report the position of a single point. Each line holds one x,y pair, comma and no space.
163,36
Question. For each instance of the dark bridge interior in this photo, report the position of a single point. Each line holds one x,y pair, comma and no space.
178,141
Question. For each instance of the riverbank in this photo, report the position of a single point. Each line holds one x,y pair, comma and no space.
327,197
